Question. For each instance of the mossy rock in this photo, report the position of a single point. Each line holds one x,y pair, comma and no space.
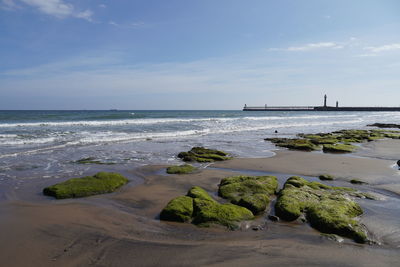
100,183
200,193
179,209
251,192
339,148
182,169
326,177
203,155
211,212
201,209
327,208
295,144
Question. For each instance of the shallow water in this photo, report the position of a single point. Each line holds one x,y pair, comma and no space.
45,143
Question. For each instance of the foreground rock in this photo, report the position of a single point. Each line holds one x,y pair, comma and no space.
199,208
251,192
100,183
201,154
327,209
182,169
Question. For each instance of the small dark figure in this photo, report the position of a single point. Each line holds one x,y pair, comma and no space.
276,131
398,163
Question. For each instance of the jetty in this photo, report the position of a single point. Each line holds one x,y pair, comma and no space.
325,107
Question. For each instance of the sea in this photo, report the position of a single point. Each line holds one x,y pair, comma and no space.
47,144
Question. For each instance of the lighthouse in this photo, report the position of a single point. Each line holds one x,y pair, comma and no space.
325,101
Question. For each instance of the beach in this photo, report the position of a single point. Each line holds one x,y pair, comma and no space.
123,228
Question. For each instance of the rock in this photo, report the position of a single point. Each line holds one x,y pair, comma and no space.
201,209
182,169
201,154
338,148
92,160
179,209
327,209
251,192
326,177
198,192
296,144
208,212
398,163
273,218
355,181
385,125
100,183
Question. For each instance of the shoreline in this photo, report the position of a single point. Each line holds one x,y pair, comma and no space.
122,228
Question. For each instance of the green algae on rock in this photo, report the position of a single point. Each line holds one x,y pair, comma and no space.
338,141
251,192
207,212
200,193
199,208
201,154
338,148
100,183
182,169
327,209
296,144
179,209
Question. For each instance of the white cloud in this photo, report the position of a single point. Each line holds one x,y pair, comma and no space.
383,48
8,5
55,8
132,25
311,46
314,46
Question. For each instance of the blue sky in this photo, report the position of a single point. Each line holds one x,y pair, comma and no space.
199,54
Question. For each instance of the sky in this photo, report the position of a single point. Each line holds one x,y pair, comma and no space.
198,54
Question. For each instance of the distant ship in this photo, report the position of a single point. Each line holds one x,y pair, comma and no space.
325,107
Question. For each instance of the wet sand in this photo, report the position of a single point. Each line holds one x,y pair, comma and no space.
122,229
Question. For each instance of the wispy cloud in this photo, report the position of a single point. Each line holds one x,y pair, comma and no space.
383,48
56,8
311,46
131,25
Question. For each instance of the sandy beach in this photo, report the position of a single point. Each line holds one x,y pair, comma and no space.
123,229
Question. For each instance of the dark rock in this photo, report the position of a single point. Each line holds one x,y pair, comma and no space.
273,218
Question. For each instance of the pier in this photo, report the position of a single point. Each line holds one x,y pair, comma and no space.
325,107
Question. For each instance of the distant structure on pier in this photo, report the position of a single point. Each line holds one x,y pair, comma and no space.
325,107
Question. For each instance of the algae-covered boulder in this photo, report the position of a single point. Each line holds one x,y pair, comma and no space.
208,212
201,209
179,209
198,192
201,154
251,192
182,169
339,148
328,209
100,183
338,141
296,144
